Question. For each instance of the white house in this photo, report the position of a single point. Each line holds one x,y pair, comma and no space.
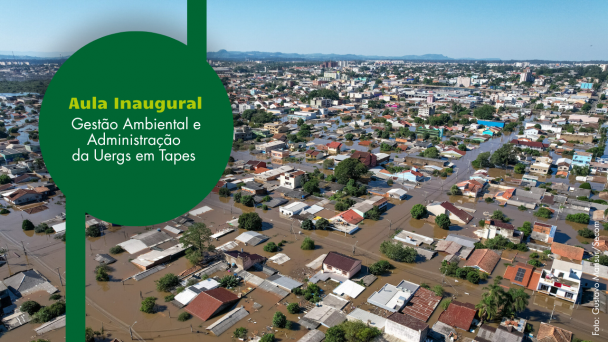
406,328
293,208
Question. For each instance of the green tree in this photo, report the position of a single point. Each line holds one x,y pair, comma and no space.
578,218
31,307
482,160
307,225
267,338
335,334
322,224
349,136
167,282
116,250
328,163
462,147
503,156
247,200
418,211
89,335
271,247
250,221
93,231
485,112
374,213
519,168
102,274
431,152
543,213
349,169
312,186
279,320
499,215
198,238
454,190
4,179
396,251
526,228
487,309
237,197
147,305
516,301
293,308
438,289
308,244
380,267
585,186
27,225
240,333
224,192
443,221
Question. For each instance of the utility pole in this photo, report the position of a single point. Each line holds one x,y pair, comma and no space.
355,245
550,318
131,330
59,274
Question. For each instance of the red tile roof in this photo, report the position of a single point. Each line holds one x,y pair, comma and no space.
485,259
422,304
461,214
459,315
334,144
351,216
368,159
567,251
206,304
511,272
550,333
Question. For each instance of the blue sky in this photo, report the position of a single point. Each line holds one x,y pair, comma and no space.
558,30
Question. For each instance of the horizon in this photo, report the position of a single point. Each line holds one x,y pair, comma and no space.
474,30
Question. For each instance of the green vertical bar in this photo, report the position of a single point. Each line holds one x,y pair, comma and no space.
197,27
75,271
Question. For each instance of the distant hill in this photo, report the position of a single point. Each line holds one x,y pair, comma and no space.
239,55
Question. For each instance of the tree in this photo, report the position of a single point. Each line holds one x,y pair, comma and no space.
526,228
102,274
279,320
293,308
374,213
89,335
31,307
250,221
167,282
349,169
93,231
438,289
349,136
396,251
312,186
516,301
224,192
247,200
271,247
578,218
473,277
485,112
308,244
603,260
27,225
503,156
519,168
237,197
228,281
482,160
418,211
586,107
116,250
454,190
380,267
487,309
358,331
240,332
335,334
585,186
267,338
198,238
499,215
4,179
322,224
328,163
307,225
147,305
431,152
462,147
543,213
443,221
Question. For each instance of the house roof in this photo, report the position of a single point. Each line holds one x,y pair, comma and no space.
529,143
422,304
334,144
340,261
461,214
459,315
205,305
485,259
408,321
351,216
542,228
550,333
244,255
20,193
567,251
500,224
519,274
365,157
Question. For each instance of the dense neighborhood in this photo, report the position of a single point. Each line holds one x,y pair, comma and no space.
379,200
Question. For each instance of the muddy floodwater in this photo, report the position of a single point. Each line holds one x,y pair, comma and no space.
116,303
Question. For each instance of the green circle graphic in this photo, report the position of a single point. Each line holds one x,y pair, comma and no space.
155,70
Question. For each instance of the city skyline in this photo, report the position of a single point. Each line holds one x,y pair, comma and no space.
513,31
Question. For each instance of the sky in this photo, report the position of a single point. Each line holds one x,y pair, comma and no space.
551,30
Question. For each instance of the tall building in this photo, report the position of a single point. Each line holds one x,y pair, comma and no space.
329,64
526,77
463,81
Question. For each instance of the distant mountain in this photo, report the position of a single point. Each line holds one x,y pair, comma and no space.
33,55
239,55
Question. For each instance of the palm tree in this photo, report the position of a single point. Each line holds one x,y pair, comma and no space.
495,293
516,300
487,309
